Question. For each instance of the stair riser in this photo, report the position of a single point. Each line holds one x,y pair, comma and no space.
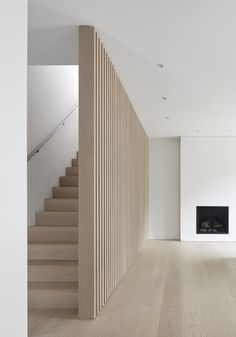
50,234
72,171
65,192
50,273
57,218
65,205
69,181
53,252
52,299
75,162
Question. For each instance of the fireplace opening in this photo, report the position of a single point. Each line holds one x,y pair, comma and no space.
212,220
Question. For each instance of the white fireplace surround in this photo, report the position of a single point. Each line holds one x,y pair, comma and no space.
208,178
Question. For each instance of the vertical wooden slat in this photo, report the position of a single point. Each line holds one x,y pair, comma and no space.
96,168
105,173
113,176
108,177
86,174
100,177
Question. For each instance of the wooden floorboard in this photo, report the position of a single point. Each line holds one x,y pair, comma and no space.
174,289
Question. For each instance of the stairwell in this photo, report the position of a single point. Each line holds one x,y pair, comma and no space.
53,247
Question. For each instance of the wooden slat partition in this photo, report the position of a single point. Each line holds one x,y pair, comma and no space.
113,177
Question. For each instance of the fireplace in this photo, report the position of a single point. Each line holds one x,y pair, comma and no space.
212,220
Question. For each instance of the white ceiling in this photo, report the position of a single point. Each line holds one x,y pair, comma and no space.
194,39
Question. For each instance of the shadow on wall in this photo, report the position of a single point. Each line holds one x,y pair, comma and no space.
53,46
52,37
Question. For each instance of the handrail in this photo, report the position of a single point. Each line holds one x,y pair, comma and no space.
51,133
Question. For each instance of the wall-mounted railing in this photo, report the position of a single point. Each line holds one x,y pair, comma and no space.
52,132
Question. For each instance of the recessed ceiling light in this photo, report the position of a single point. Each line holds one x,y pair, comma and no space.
160,65
229,130
164,98
167,117
197,131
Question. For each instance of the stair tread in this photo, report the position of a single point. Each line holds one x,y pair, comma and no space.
53,227
53,251
57,218
61,205
56,243
71,181
62,200
75,162
51,213
67,188
69,178
72,171
53,285
52,263
44,233
56,212
64,192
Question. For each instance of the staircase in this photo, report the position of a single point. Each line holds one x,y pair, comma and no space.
53,247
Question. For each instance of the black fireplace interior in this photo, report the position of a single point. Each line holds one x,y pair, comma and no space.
212,220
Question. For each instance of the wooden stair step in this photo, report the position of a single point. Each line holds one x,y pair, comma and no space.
61,205
45,218
53,262
53,285
75,162
53,251
72,171
53,233
52,295
65,192
52,271
69,181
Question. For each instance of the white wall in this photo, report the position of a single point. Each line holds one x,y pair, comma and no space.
164,174
208,178
53,46
13,91
52,92
53,34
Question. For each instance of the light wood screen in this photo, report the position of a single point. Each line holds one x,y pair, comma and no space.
113,177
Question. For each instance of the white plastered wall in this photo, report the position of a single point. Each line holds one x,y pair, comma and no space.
13,147
164,194
208,178
52,94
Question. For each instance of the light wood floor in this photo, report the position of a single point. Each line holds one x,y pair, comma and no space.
173,289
